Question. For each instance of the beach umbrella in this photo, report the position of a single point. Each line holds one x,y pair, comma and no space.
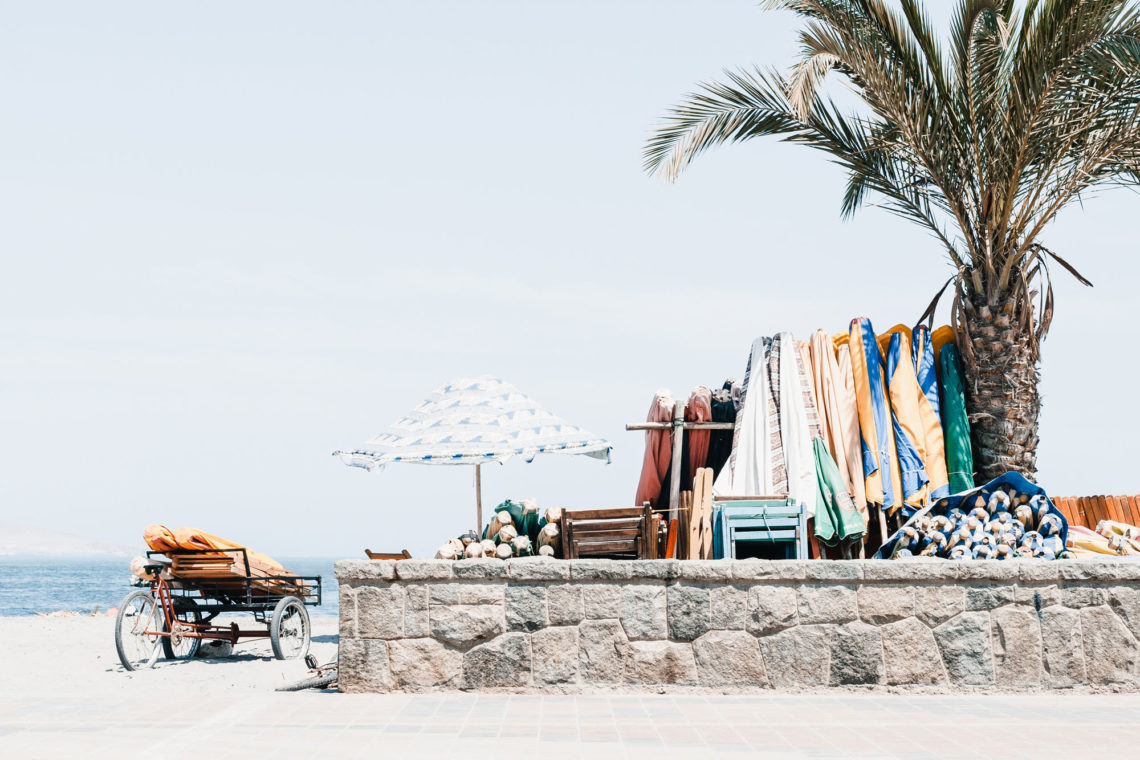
880,462
959,456
475,421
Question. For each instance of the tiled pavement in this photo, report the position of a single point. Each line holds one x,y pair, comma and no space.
316,724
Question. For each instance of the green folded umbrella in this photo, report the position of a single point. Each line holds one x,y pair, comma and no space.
836,518
955,424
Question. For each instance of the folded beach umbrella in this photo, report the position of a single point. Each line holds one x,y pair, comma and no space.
908,422
922,353
475,421
882,485
839,413
836,518
955,423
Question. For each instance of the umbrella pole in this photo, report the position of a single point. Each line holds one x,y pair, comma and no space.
478,501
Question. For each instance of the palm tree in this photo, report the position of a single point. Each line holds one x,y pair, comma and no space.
982,139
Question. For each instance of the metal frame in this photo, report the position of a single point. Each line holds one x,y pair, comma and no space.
214,596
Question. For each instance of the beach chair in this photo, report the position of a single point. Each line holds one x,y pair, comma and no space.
779,523
626,533
405,554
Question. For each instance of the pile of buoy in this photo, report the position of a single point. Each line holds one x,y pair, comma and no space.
517,529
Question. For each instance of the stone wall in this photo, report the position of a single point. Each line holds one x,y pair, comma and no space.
552,625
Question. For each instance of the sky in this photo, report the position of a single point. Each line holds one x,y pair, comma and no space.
239,236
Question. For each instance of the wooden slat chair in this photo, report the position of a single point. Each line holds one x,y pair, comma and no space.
405,554
1090,510
762,519
614,533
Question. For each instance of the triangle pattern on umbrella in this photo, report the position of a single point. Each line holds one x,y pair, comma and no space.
475,421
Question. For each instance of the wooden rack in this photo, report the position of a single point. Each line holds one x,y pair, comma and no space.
677,427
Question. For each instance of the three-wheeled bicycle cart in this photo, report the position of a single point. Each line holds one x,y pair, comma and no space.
185,596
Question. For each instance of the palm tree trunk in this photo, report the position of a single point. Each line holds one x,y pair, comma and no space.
1002,400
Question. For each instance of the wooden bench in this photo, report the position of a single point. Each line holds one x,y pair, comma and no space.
623,533
1090,510
405,554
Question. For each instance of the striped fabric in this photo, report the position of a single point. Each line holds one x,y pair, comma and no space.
475,421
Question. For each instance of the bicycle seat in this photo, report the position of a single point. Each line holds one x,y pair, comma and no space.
152,569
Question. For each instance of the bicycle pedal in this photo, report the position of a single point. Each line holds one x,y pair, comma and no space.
311,662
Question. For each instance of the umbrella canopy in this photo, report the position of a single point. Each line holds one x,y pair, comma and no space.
475,421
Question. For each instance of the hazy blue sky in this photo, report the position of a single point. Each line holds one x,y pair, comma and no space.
238,236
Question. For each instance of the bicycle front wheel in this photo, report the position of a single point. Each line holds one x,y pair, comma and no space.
136,630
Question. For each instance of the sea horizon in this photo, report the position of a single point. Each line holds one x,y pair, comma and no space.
93,584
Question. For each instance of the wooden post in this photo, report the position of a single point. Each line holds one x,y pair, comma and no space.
478,502
678,448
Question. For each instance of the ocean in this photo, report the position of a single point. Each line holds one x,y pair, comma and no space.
30,585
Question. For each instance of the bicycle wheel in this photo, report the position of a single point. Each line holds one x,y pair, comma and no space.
289,631
138,615
176,646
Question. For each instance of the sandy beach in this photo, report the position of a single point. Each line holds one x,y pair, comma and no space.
47,656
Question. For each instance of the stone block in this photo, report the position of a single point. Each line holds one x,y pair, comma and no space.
602,648
655,569
1038,570
1063,651
525,606
601,600
364,666
660,662
1017,647
911,570
964,642
884,603
465,625
834,570
1077,596
601,569
480,567
991,596
910,654
688,611
769,569
856,655
346,598
830,603
349,570
1111,652
728,606
1125,602
417,621
705,570
798,657
771,608
643,611
729,658
538,569
1038,596
987,570
564,604
424,664
1097,570
380,611
464,593
934,605
503,662
424,569
555,655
